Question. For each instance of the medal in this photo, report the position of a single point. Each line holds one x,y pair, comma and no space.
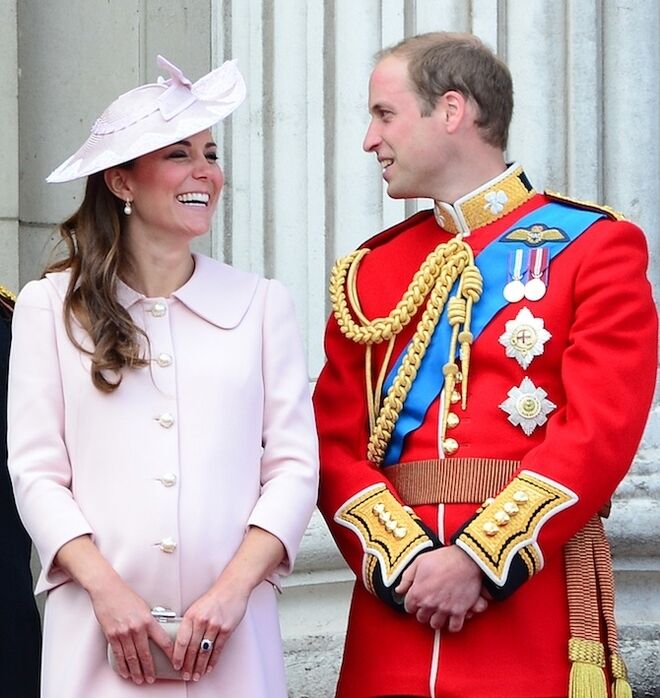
524,337
535,288
514,290
527,406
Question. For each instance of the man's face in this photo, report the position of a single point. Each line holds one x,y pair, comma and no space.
410,147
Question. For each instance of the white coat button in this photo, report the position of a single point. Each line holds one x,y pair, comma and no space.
158,309
168,479
168,545
164,360
166,420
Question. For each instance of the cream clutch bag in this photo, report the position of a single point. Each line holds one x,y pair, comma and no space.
162,666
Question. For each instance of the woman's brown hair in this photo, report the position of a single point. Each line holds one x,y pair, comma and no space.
95,254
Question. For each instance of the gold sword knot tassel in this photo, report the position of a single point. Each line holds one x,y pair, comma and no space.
459,315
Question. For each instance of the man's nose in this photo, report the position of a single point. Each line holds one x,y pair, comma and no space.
371,138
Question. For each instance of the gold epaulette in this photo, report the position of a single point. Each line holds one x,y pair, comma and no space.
6,293
588,205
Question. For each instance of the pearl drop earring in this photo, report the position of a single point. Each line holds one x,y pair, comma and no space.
128,209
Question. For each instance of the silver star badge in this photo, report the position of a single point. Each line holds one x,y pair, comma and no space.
527,406
524,337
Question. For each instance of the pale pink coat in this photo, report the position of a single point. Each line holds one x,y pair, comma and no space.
228,372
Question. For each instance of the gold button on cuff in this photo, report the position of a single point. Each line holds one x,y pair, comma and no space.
165,420
391,525
400,533
384,516
521,497
491,528
511,508
168,545
488,501
164,360
501,518
379,508
450,446
453,420
455,397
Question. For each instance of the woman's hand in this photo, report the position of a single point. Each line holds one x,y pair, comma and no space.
124,617
127,624
214,616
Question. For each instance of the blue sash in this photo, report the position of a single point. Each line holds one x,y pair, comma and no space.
492,263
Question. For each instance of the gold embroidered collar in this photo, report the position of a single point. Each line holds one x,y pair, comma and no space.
488,203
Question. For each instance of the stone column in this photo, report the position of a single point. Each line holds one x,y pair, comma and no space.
9,168
301,193
75,57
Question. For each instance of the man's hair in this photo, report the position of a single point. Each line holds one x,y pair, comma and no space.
441,61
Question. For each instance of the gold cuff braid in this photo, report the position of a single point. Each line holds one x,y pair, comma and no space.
388,531
511,522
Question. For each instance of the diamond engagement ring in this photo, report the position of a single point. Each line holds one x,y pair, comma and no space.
206,645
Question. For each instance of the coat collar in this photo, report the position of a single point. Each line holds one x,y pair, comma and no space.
216,292
486,204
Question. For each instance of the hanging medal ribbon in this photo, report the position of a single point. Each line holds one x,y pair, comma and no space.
491,261
537,283
514,290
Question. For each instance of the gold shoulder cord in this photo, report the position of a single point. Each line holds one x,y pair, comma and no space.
432,282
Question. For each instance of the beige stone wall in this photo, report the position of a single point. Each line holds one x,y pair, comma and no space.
74,57
300,192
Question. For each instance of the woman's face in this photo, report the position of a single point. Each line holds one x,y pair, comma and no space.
175,189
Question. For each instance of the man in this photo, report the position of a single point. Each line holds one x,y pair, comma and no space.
490,369
20,634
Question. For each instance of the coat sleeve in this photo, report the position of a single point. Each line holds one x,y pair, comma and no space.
289,464
38,460
377,535
608,376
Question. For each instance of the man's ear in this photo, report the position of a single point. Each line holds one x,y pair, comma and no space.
454,109
116,181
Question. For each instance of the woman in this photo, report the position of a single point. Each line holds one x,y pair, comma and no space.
161,439
20,634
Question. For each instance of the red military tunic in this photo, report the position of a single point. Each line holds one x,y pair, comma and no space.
597,369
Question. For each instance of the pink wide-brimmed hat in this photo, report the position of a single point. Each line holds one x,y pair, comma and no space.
155,115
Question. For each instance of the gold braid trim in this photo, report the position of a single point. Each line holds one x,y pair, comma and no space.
587,677
621,687
7,293
383,328
434,279
604,574
451,480
588,205
586,650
